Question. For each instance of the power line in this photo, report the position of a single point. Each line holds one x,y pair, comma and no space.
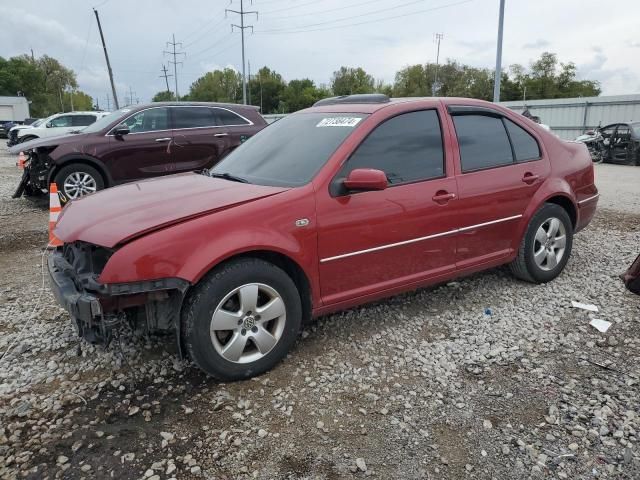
366,22
351,17
242,12
224,39
318,12
175,63
166,76
206,32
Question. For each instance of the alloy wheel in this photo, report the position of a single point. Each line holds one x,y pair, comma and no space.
78,184
248,323
549,244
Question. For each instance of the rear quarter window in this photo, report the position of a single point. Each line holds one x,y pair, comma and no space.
525,147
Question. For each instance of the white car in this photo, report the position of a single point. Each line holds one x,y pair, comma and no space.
59,124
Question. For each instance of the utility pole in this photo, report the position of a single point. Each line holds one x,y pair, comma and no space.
242,28
496,81
435,89
249,83
106,56
166,76
71,97
174,44
108,104
131,95
33,58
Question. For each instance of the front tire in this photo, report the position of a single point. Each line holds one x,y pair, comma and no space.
546,246
77,180
241,319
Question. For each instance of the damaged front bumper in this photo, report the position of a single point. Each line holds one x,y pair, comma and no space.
35,176
97,308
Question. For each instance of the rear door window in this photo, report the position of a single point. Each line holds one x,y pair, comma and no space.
82,120
525,147
483,142
64,121
408,148
193,117
229,118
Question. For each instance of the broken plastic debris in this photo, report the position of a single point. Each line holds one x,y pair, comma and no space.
600,325
584,306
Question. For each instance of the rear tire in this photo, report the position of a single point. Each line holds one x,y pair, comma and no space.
546,245
241,319
77,180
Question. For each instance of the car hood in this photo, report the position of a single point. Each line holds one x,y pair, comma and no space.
117,215
56,141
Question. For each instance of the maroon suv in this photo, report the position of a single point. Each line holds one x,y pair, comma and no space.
138,142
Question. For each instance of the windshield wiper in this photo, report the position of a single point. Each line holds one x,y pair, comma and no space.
228,176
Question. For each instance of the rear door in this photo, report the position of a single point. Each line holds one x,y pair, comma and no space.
500,167
199,139
236,127
374,241
146,151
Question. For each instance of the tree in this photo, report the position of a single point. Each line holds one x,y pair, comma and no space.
299,94
267,88
164,96
45,82
217,86
349,80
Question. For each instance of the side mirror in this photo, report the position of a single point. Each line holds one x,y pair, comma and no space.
366,179
49,125
590,132
121,130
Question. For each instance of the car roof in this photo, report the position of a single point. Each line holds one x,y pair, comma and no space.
364,107
193,104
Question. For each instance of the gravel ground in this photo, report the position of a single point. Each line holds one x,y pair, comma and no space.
485,377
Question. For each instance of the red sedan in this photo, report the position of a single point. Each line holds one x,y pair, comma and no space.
352,200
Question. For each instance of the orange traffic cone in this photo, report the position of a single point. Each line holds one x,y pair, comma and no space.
54,212
21,161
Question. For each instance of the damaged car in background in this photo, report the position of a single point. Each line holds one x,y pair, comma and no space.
355,199
615,143
135,143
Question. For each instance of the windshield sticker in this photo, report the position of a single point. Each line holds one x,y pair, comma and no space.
339,122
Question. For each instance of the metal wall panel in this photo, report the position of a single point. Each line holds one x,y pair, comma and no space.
570,117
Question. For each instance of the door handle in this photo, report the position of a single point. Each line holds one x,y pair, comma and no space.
529,178
221,135
443,197
165,139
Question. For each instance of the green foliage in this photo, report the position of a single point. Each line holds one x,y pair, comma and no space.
547,78
300,94
349,80
164,96
267,87
217,86
45,82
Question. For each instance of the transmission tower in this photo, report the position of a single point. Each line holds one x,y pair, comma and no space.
242,12
175,63
166,76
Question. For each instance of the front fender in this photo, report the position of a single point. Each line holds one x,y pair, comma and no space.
60,162
190,249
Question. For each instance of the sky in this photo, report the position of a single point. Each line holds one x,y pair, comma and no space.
313,38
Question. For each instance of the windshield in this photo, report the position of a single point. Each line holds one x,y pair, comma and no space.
37,123
289,152
105,121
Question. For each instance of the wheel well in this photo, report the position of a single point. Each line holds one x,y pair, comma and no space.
567,204
82,161
292,269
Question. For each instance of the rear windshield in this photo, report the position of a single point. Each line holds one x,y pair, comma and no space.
291,151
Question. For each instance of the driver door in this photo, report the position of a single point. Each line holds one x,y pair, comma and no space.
374,241
146,151
620,144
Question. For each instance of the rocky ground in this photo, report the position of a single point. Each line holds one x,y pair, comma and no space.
486,377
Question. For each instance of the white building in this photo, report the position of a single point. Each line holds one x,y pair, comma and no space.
14,108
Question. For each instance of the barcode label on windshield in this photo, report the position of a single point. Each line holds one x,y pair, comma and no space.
339,122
